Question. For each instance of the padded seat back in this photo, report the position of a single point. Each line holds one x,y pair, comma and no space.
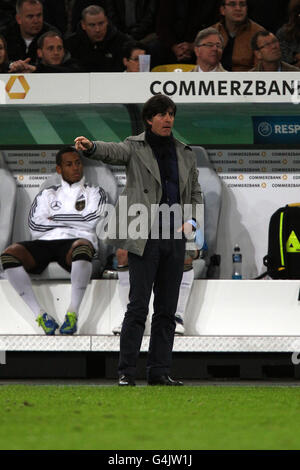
8,194
211,186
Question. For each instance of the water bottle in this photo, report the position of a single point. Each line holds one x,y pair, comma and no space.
237,263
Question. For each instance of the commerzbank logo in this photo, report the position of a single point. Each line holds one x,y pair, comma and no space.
14,83
265,129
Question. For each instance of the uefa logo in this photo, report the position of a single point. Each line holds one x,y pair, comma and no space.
265,129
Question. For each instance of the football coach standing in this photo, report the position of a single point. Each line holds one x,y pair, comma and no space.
161,172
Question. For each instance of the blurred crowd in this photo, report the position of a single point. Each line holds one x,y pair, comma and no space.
110,35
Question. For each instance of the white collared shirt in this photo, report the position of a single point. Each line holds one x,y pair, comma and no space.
200,70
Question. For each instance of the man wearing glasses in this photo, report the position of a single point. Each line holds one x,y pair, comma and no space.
267,50
208,49
237,30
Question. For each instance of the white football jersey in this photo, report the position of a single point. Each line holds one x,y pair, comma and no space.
67,211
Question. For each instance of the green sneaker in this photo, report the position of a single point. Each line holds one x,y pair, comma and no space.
48,323
69,327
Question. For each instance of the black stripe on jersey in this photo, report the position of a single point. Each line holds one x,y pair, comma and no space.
64,217
91,216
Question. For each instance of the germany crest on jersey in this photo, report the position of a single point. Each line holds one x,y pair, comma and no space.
80,203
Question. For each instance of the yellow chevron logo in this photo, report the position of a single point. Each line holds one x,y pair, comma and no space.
293,244
19,95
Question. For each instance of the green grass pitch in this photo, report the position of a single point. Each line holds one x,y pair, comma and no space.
142,418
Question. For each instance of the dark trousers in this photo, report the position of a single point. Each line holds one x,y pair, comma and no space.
160,268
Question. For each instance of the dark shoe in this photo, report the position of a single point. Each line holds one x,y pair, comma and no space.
163,380
126,380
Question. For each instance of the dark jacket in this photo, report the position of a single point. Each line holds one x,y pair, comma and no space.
4,67
16,46
68,65
102,56
145,12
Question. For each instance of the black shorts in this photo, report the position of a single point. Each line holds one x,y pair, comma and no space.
46,251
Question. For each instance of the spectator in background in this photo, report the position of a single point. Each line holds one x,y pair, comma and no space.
97,45
52,57
66,14
271,14
133,17
266,48
237,30
178,22
22,34
209,45
77,7
289,35
131,52
3,56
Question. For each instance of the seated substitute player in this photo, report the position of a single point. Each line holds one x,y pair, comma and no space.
62,221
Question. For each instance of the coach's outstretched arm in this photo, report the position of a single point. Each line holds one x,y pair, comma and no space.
113,153
82,143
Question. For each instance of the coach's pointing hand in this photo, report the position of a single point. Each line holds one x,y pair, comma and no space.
82,143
